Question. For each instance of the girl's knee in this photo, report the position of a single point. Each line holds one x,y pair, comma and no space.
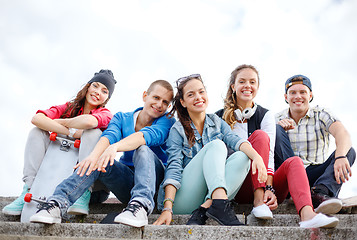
218,145
91,135
260,135
240,158
37,132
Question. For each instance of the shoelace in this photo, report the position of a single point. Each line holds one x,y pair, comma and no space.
228,207
46,206
134,208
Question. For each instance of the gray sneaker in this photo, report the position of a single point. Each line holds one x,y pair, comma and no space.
48,213
133,215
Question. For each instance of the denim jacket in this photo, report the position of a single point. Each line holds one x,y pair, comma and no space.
180,153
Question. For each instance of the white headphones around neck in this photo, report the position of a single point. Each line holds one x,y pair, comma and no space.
246,113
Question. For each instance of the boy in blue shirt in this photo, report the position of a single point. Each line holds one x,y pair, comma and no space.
134,179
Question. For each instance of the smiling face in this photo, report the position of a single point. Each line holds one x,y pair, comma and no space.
195,98
157,101
245,87
96,95
298,97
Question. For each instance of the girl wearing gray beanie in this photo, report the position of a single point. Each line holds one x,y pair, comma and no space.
84,117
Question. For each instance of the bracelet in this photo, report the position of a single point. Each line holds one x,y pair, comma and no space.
169,199
340,157
270,188
72,131
167,209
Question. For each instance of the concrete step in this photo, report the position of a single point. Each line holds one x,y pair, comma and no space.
283,226
346,220
285,220
107,231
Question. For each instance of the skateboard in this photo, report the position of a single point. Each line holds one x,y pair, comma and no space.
57,165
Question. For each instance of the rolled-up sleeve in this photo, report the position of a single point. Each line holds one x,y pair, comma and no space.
156,134
103,116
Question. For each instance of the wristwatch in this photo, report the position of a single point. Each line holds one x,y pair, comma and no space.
270,188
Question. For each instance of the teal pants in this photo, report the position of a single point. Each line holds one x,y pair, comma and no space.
208,170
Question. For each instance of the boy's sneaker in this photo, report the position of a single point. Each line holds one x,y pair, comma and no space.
262,212
198,217
15,208
222,212
133,215
323,203
81,206
320,221
48,213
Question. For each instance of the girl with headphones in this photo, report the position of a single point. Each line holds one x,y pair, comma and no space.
257,125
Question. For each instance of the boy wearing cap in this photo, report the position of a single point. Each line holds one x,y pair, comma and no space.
134,179
304,131
83,117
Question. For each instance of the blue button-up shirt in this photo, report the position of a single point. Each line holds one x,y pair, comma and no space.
155,135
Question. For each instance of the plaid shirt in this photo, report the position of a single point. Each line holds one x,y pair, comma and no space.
310,138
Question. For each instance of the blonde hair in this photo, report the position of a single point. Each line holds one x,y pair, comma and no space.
230,102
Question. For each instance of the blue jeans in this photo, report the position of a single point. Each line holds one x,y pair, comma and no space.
127,184
320,174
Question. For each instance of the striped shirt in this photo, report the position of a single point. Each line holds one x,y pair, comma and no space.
310,138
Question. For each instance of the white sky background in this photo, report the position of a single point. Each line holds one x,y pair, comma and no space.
49,49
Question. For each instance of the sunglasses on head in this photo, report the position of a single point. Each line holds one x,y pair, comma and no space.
192,76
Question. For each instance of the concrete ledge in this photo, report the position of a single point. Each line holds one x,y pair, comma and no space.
244,232
16,237
105,231
82,230
346,220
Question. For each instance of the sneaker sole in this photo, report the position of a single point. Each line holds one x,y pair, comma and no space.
217,220
136,224
214,218
77,211
330,206
331,225
44,220
264,217
11,213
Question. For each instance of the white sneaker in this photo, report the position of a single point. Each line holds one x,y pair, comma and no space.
330,206
48,213
320,221
262,212
133,215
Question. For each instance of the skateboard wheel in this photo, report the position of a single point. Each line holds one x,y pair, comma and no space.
28,197
53,136
77,143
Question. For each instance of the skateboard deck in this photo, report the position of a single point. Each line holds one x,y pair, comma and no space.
57,165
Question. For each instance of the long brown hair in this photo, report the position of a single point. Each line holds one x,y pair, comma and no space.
230,102
182,112
75,105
